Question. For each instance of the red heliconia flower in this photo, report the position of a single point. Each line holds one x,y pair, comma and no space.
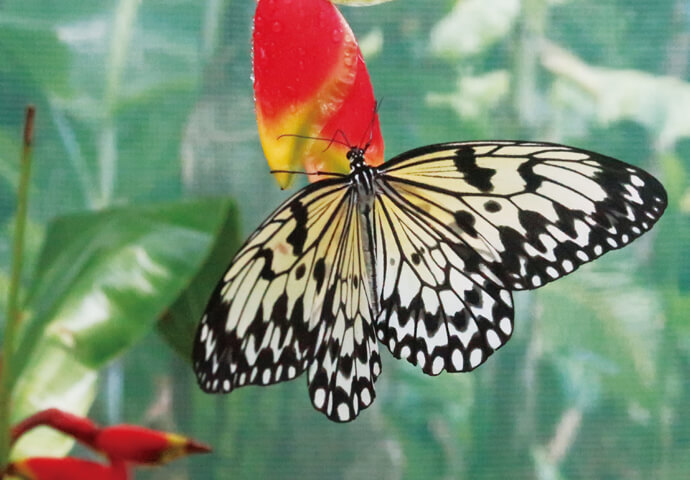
310,80
45,468
80,428
123,445
145,446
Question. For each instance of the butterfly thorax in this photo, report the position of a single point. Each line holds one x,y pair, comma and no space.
361,174
362,181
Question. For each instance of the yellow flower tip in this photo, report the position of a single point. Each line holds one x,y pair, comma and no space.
180,446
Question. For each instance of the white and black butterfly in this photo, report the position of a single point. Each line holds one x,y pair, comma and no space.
421,254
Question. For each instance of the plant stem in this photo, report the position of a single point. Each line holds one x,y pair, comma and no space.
12,318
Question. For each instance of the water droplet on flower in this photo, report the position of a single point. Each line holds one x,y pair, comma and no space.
276,27
335,35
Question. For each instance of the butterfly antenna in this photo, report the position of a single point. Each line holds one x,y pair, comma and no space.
370,128
346,143
307,137
318,172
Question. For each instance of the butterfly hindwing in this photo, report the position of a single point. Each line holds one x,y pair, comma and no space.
295,298
435,312
341,379
527,213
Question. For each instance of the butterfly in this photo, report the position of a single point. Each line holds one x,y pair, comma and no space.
421,254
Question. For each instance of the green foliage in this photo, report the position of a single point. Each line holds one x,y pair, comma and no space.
145,102
103,281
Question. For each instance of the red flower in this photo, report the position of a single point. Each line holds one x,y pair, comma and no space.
142,445
44,468
121,444
81,429
310,80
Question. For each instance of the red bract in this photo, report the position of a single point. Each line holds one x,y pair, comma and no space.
43,468
310,80
142,445
80,428
121,444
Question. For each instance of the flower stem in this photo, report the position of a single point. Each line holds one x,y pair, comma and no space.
12,318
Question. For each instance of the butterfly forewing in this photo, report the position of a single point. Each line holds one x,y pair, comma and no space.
295,297
527,213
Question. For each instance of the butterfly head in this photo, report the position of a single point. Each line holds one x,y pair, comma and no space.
356,157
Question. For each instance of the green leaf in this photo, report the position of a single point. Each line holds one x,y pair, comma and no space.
178,324
104,279
36,52
102,282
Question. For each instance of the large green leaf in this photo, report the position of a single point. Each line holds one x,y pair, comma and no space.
102,282
178,325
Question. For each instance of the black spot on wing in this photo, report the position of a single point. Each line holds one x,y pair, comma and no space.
479,177
319,273
299,273
299,235
267,272
466,221
415,258
532,180
492,206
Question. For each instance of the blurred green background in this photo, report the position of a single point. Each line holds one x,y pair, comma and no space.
148,172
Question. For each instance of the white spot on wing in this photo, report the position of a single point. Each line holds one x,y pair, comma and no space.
421,359
343,412
506,326
319,397
408,286
637,181
430,299
365,396
492,339
476,357
437,366
457,359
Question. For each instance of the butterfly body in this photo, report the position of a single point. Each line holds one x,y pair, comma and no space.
421,254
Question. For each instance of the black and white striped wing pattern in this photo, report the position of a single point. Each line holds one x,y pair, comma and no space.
453,229
296,298
458,225
434,310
